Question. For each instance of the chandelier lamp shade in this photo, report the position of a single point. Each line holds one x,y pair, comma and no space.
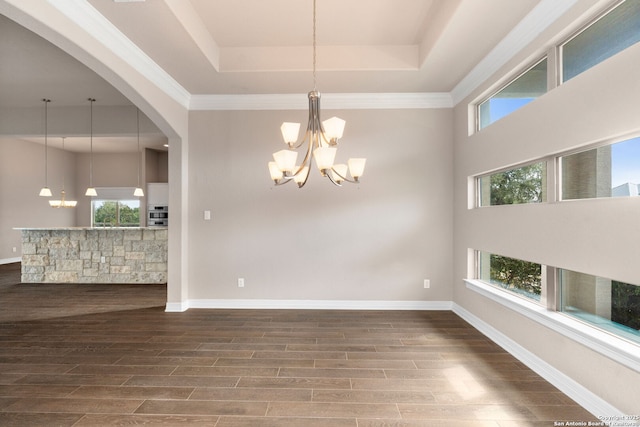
91,191
319,143
138,192
45,191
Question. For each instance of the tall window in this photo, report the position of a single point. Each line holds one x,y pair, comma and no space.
612,33
115,213
524,89
608,171
521,277
526,184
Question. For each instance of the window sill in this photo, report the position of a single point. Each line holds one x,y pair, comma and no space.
611,346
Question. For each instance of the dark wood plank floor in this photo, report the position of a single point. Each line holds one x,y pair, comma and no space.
94,355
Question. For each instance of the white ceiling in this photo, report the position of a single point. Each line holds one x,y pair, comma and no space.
229,47
265,46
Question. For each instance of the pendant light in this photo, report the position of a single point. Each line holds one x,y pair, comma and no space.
138,191
45,191
91,191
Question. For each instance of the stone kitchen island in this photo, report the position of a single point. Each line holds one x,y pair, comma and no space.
94,255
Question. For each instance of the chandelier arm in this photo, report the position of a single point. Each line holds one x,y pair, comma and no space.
284,180
307,158
337,184
344,178
301,143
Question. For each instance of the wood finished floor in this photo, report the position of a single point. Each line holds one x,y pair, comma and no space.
105,355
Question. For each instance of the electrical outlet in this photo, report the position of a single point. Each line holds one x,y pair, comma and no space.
207,215
427,283
15,249
102,259
240,282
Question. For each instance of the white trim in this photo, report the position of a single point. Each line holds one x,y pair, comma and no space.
10,260
337,101
617,349
583,396
312,304
538,20
83,14
176,307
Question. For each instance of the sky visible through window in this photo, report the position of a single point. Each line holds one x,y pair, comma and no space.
501,107
625,162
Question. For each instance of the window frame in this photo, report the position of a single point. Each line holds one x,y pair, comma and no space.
478,254
612,346
553,54
588,24
548,310
548,189
118,205
599,144
510,79
118,194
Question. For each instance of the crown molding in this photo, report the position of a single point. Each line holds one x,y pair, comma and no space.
538,20
338,101
85,16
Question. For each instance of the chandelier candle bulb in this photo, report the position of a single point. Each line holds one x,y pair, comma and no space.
334,128
276,173
324,157
356,167
286,160
301,176
290,132
339,172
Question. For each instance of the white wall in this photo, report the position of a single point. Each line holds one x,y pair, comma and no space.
374,241
109,170
21,178
599,237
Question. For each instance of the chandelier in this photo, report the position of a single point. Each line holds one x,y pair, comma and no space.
320,140
63,203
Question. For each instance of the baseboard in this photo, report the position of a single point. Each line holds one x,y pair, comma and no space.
176,307
311,304
10,260
584,397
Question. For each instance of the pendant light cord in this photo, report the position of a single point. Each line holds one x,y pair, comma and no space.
91,100
314,45
46,161
139,154
65,168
